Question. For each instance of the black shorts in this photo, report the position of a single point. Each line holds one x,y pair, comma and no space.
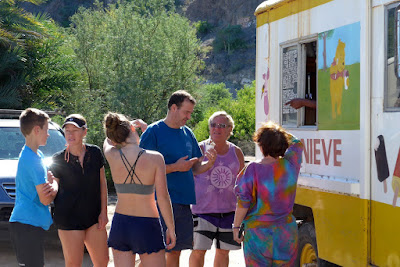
28,243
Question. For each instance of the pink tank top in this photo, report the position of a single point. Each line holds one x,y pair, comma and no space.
214,188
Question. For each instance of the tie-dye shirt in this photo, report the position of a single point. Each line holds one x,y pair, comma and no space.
268,190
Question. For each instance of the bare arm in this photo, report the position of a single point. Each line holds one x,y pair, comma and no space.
138,123
240,214
181,165
103,218
297,103
240,156
48,191
202,166
164,201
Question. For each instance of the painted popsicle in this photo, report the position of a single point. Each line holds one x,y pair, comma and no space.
264,92
396,180
381,161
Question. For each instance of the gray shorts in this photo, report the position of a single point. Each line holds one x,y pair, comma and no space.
205,232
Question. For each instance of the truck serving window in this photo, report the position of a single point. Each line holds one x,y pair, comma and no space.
392,88
299,84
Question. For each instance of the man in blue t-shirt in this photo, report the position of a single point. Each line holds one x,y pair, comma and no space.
177,143
35,190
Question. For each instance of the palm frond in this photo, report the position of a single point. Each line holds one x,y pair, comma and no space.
35,2
9,93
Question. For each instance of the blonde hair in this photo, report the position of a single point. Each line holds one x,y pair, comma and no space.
222,114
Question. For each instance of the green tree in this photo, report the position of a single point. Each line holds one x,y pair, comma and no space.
51,69
17,27
324,36
11,76
229,38
208,96
135,54
36,67
242,110
202,27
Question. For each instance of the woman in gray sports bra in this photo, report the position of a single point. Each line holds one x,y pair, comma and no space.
137,174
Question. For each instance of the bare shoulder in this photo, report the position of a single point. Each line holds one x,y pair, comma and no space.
110,152
238,150
154,156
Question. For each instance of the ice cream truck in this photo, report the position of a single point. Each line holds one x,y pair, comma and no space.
339,61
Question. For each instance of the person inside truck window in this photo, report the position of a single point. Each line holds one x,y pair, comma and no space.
297,103
265,193
309,88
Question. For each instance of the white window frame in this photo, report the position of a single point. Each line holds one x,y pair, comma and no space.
301,72
386,108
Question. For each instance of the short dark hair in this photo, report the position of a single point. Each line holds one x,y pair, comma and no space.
30,118
272,139
178,97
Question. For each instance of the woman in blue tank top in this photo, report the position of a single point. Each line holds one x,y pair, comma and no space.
137,173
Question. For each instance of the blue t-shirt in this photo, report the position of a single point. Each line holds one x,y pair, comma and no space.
31,172
174,144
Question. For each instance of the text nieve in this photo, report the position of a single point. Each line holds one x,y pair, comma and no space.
314,149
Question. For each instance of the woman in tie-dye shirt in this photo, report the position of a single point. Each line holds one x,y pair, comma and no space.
266,192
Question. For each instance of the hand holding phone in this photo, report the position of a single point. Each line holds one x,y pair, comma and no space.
241,230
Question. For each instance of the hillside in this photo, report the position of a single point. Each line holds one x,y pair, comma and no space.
234,68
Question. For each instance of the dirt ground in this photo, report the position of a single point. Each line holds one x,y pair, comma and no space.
54,256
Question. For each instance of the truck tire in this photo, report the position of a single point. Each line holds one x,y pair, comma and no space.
307,246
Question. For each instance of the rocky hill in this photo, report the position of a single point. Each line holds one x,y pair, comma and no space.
235,67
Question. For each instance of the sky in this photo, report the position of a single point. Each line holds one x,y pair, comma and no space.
350,35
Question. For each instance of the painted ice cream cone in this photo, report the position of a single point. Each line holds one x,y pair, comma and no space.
381,161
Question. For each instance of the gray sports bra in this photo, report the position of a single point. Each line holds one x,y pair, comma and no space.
132,187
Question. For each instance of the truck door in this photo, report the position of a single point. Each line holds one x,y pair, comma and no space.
385,140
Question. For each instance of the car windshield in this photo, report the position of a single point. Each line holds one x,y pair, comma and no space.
12,141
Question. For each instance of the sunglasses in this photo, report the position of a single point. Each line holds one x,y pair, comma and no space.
218,125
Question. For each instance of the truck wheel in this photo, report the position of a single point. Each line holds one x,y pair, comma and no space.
307,252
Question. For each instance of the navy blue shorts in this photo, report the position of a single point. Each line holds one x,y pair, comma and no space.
137,234
183,226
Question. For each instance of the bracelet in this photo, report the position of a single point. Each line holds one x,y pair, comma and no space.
235,227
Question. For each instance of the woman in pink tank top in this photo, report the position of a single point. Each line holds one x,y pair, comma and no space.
215,199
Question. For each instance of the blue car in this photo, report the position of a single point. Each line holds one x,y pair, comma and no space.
11,143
